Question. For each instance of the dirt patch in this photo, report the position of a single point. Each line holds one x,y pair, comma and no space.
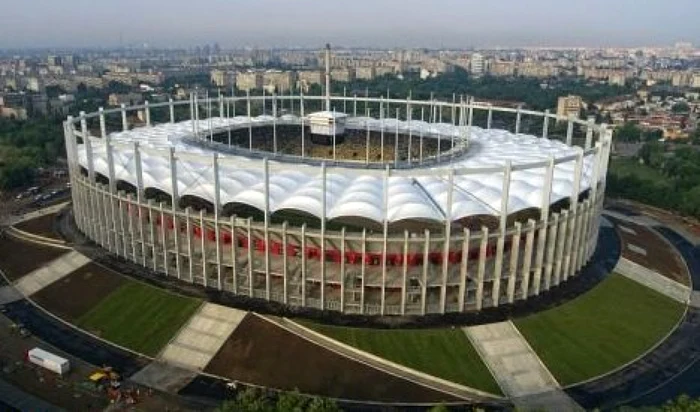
44,226
648,249
80,291
261,353
18,257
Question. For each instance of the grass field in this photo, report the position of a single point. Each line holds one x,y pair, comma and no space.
139,317
445,353
603,329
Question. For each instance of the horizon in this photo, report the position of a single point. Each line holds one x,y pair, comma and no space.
446,24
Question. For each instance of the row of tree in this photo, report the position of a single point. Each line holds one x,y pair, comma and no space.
678,188
254,400
26,145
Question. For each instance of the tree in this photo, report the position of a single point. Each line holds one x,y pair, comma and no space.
680,107
629,132
652,154
255,400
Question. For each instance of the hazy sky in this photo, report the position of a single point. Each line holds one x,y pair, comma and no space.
380,23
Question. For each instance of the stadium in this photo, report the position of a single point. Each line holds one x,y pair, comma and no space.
360,205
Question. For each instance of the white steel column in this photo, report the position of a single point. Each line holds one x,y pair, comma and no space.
517,119
463,270
527,260
560,246
545,124
173,207
234,255
190,244
303,139
171,108
147,110
125,122
569,130
266,194
363,270
103,127
482,267
513,268
303,264
285,270
140,198
152,236
342,269
447,234
550,246
544,220
500,245
217,213
572,227
163,238
251,260
424,281
385,211
589,132
489,120
404,273
250,121
203,244
323,234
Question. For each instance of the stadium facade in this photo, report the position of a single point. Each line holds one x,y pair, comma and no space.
415,208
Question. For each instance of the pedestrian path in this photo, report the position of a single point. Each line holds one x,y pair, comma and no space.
202,337
9,294
653,280
518,370
163,376
56,269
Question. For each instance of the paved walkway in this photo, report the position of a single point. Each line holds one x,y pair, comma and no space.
164,377
12,219
653,280
517,369
202,337
9,294
384,365
51,272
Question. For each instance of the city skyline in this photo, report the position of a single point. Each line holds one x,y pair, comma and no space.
308,23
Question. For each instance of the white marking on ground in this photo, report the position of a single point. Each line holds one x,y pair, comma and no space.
637,249
627,230
51,272
517,368
202,336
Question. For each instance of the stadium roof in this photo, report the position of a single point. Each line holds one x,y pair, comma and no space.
420,193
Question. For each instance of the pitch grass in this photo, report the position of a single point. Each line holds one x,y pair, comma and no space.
445,353
601,330
140,317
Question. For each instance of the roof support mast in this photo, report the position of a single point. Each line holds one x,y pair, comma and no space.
328,77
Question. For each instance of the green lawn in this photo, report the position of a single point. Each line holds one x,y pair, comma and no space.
610,325
445,353
139,317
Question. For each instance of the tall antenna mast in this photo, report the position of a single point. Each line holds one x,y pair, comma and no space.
328,77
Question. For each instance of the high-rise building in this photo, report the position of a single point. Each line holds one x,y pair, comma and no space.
570,105
222,78
477,64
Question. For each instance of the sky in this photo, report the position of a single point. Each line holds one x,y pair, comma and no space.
349,23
